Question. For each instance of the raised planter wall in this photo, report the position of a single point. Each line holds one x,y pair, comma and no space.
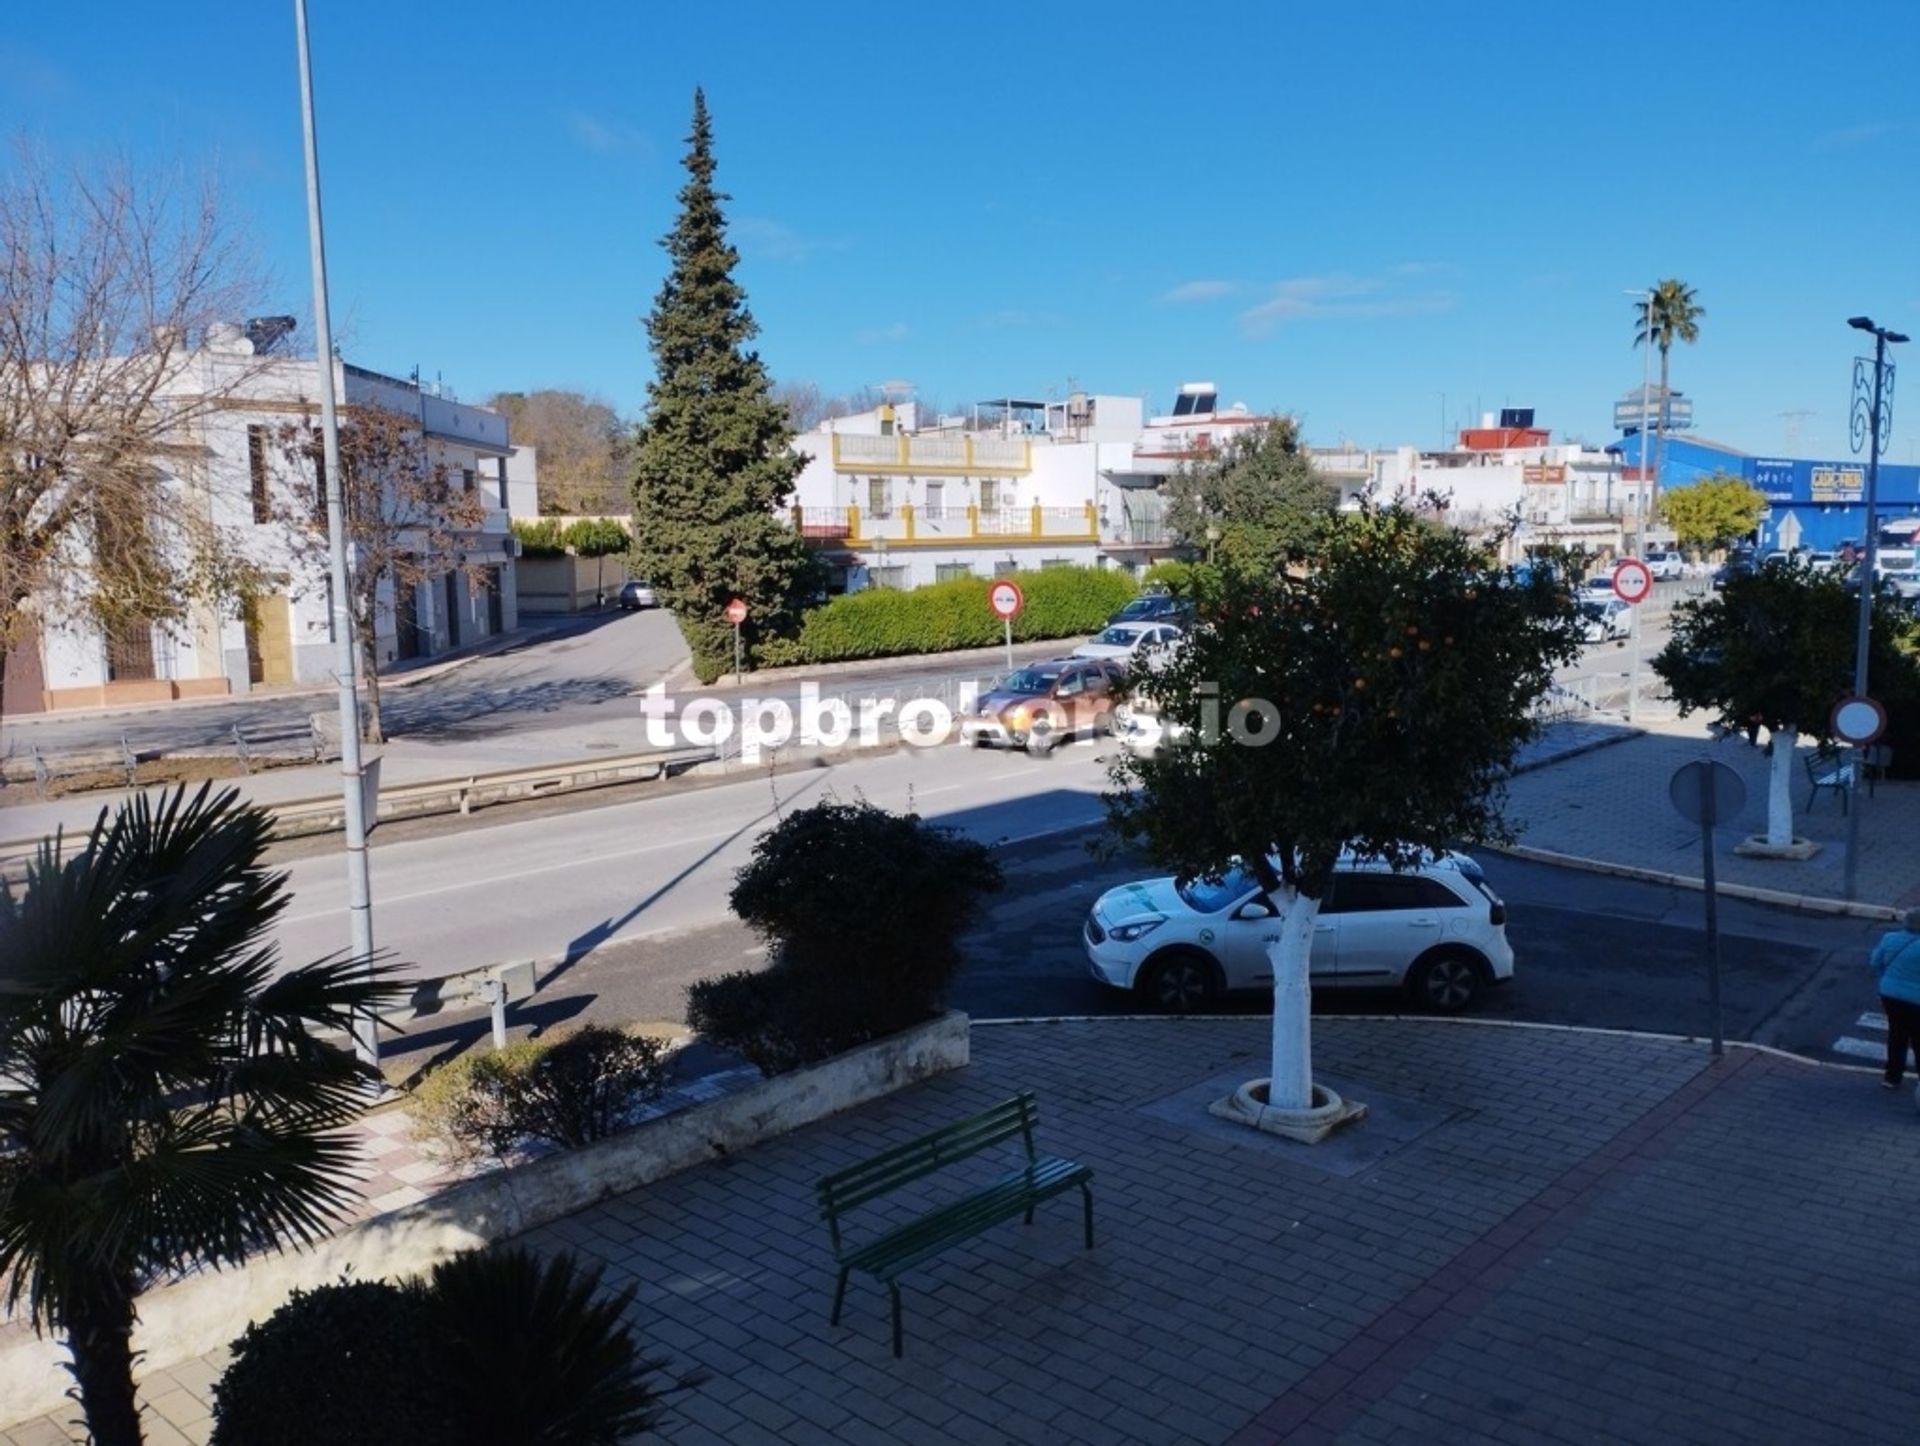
196,1315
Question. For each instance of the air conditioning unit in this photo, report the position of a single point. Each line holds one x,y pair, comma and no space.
513,545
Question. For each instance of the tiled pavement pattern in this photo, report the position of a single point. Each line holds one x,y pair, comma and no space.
1597,1238
1612,805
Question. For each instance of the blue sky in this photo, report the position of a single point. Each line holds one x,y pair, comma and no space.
1344,211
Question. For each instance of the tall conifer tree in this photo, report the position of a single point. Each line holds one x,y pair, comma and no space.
715,464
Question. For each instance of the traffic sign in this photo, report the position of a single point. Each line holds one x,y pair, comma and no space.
737,612
1632,579
1696,787
1858,720
1005,599
1709,793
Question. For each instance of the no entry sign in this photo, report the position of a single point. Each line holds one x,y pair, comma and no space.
1005,599
1632,579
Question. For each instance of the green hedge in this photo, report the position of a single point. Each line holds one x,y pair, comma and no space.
883,622
584,537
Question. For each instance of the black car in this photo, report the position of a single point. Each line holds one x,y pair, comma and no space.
1155,608
1738,564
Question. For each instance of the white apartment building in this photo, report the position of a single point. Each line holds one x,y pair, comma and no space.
232,471
895,499
1564,493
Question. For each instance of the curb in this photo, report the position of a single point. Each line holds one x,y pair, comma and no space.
1032,648
1627,734
1807,903
1442,1019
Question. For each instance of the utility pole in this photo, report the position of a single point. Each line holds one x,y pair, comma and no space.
366,1036
1874,425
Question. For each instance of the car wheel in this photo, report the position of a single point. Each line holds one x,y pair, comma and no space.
1180,982
1041,737
1446,982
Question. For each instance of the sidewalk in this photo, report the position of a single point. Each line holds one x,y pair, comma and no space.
1611,806
1538,1236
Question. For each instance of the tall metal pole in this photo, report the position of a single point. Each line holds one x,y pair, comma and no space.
1863,630
1646,409
366,1036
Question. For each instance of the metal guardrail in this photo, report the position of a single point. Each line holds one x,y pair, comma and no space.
301,818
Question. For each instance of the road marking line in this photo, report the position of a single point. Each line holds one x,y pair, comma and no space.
1859,1048
489,882
1872,1021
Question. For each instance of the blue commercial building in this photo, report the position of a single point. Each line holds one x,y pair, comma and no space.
1815,505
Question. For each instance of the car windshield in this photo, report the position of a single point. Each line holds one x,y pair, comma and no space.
1594,609
1027,680
1137,607
1121,637
1209,896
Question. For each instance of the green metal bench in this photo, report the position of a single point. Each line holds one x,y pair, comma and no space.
920,1239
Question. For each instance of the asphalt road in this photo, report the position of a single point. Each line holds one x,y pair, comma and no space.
1591,951
593,672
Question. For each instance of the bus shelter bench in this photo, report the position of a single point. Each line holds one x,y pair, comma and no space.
919,1240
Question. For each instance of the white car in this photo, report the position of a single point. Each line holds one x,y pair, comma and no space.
1664,563
1141,731
1434,929
1606,619
1600,585
1126,643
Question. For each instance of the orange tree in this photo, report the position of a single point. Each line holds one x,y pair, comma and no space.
1370,697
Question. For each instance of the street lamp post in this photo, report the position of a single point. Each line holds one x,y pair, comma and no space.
1872,419
366,1037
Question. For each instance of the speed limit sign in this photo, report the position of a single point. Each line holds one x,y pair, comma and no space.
1005,599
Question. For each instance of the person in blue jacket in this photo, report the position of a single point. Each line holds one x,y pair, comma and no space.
1896,960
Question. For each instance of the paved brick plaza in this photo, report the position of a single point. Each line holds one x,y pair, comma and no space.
1540,1235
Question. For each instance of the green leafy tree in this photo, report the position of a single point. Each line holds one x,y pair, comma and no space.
168,1098
1671,314
1371,700
1260,493
1775,650
1713,511
714,461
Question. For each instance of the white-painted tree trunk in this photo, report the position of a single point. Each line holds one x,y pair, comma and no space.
1289,953
1780,788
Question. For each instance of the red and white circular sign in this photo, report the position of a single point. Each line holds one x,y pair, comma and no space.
1005,598
1632,579
737,611
1858,720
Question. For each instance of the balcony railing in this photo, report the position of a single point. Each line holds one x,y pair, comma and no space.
1127,533
937,453
908,525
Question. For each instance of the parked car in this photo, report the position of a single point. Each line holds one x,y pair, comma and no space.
636,595
1155,607
1665,563
1436,930
1600,585
1044,704
1737,564
1128,643
1896,569
1606,619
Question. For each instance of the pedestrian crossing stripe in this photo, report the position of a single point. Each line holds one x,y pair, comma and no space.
1859,1048
1875,1020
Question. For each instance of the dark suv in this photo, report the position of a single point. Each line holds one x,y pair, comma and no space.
1155,607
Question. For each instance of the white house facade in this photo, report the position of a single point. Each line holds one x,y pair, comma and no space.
231,472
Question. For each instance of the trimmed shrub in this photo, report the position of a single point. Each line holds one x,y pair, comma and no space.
541,538
496,1348
567,1090
863,911
346,1362
942,616
596,537
1184,579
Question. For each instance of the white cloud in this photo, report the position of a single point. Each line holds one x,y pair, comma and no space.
1338,294
606,137
1206,290
874,335
769,240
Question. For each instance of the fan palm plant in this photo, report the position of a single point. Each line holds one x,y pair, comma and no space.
1672,313
166,1096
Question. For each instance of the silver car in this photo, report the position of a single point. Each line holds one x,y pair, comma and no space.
636,595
